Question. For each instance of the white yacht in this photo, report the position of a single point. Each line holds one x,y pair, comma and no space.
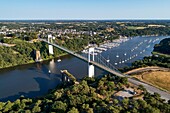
108,60
117,56
59,60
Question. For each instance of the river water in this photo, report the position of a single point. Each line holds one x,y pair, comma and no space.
34,80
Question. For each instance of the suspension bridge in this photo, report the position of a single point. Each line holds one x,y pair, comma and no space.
101,62
92,60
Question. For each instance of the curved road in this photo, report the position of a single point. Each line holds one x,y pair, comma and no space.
151,89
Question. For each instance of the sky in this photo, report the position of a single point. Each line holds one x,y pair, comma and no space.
84,9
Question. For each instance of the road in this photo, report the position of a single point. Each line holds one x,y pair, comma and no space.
151,89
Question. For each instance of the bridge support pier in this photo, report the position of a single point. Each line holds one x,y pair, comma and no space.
50,46
90,66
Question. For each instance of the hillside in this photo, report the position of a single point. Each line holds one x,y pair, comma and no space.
163,46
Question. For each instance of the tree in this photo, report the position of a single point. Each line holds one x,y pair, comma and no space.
156,96
1,105
124,80
125,103
59,106
36,109
8,106
73,110
150,109
112,109
168,101
141,87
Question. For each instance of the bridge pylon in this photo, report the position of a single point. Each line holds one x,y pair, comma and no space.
90,66
50,46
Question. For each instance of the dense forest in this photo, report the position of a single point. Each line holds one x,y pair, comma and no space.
90,95
22,53
163,46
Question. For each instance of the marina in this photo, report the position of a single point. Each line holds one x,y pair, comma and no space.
106,46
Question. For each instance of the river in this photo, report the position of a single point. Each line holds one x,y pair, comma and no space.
34,80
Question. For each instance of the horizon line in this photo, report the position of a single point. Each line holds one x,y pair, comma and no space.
87,19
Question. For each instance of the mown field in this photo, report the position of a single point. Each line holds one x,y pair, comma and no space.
158,78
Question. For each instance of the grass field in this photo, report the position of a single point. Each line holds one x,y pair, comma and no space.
157,78
135,28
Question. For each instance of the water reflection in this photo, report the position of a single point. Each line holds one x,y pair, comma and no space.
52,66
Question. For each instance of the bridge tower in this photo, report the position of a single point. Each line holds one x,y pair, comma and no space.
90,66
50,40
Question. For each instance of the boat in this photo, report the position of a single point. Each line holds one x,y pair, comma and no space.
132,50
115,63
59,60
97,51
94,53
49,71
117,56
125,54
108,60
102,49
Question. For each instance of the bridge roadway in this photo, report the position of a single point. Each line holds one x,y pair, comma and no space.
165,95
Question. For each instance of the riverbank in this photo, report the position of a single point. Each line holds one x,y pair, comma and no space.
33,61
